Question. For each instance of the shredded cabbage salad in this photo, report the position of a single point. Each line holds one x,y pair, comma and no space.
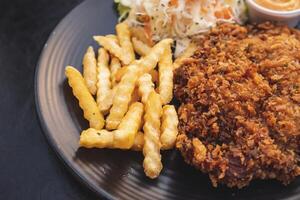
181,20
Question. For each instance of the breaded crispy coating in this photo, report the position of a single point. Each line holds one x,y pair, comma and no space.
239,114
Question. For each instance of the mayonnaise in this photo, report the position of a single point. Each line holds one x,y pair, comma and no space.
280,5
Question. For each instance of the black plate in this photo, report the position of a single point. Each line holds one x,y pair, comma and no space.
116,174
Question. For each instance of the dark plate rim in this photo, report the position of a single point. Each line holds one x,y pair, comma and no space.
42,121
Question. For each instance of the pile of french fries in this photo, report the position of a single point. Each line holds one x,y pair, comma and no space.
126,99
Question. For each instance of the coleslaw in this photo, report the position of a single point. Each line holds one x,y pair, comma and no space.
181,20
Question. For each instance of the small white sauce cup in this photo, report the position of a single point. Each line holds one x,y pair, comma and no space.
258,13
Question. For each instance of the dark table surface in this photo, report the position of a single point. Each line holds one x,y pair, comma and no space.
29,169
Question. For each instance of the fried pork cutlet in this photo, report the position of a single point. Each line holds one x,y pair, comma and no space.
239,108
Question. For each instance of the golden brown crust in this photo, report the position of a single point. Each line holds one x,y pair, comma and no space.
239,97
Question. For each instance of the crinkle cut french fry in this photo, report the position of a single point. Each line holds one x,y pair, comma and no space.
112,46
122,138
123,34
92,138
125,135
114,37
188,52
122,98
149,61
115,65
151,150
145,86
169,129
138,142
165,74
90,70
103,81
86,101
140,47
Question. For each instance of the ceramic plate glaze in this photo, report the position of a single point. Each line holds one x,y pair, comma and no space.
115,174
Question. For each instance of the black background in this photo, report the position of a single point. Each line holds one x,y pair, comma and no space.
29,169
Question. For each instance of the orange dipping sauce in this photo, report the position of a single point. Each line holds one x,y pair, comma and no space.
280,5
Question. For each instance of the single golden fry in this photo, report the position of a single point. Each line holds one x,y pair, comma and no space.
114,37
138,142
112,46
90,70
169,129
115,66
165,73
140,47
92,138
125,134
151,150
122,138
188,52
124,36
122,98
146,86
103,81
86,101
